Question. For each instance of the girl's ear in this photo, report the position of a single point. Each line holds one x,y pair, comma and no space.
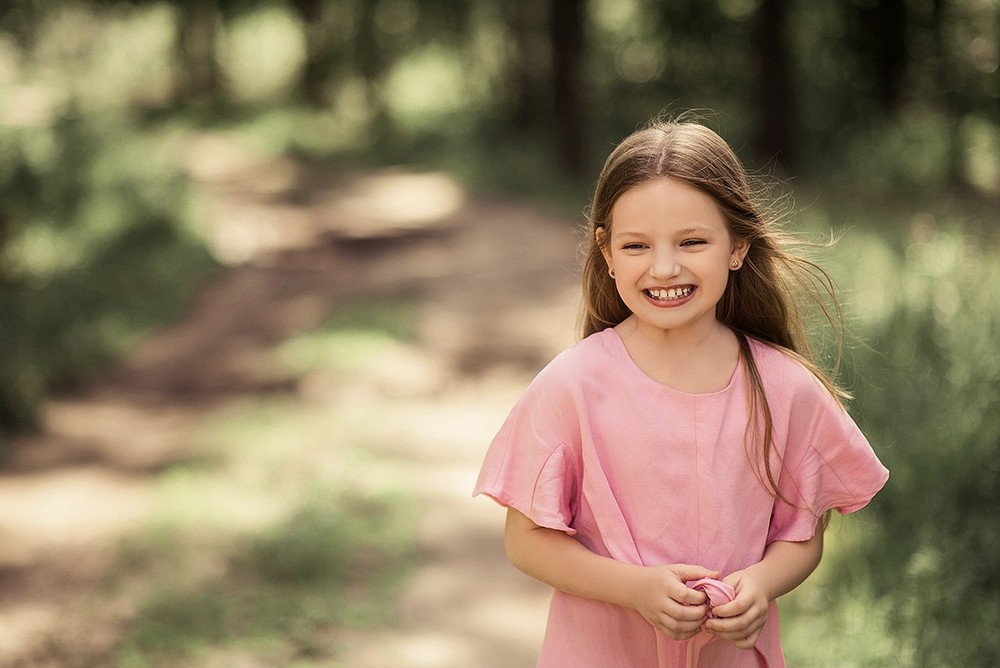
740,249
600,238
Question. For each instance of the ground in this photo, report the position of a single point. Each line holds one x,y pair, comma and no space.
492,288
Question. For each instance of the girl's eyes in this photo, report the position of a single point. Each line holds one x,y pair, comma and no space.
687,243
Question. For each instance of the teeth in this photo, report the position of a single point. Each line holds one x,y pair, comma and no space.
670,294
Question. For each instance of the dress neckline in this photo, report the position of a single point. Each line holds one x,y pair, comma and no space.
621,350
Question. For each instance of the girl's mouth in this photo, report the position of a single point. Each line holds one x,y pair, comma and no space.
669,294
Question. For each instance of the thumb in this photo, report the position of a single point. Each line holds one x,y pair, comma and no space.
687,572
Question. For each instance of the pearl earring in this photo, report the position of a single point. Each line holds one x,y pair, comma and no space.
611,272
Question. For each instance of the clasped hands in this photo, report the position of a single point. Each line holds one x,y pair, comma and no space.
666,602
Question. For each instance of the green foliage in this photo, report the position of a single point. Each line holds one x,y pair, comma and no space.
281,589
828,623
97,252
928,397
62,329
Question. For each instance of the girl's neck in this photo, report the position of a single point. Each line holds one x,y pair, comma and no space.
696,362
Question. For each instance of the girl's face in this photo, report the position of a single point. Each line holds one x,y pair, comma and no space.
671,252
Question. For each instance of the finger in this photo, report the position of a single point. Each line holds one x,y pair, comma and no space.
734,628
686,613
749,642
730,629
692,598
688,572
682,625
678,629
734,608
677,591
686,594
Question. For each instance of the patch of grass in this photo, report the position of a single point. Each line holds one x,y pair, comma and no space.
392,317
333,561
356,331
264,550
327,538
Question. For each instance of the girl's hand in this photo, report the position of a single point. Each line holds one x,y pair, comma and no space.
741,620
663,600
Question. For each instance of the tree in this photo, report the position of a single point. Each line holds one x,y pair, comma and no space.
777,100
566,33
198,31
880,39
526,63
548,43
319,63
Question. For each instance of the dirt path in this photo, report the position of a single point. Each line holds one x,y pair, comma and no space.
493,283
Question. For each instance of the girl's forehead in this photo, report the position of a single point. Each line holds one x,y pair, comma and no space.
666,201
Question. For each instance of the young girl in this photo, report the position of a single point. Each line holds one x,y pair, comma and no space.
669,474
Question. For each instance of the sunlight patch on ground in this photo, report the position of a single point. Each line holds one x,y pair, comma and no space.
384,205
131,435
396,200
424,650
52,509
25,621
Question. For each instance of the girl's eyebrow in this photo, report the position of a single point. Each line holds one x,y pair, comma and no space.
629,235
695,229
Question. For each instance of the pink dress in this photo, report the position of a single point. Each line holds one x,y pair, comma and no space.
649,475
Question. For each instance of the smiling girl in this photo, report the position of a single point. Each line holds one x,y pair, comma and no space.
669,474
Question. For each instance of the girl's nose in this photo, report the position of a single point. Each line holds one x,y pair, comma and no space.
664,265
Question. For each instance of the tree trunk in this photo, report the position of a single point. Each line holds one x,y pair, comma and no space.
199,25
566,34
951,107
886,24
777,99
370,61
319,56
527,70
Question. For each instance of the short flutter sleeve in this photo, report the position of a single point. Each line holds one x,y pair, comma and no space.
532,463
827,461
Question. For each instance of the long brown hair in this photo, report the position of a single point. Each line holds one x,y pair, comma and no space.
766,299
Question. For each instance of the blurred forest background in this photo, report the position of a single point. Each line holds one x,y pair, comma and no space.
883,116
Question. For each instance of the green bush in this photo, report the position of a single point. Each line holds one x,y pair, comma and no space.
928,395
96,252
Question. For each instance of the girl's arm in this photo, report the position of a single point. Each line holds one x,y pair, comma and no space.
657,593
784,567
